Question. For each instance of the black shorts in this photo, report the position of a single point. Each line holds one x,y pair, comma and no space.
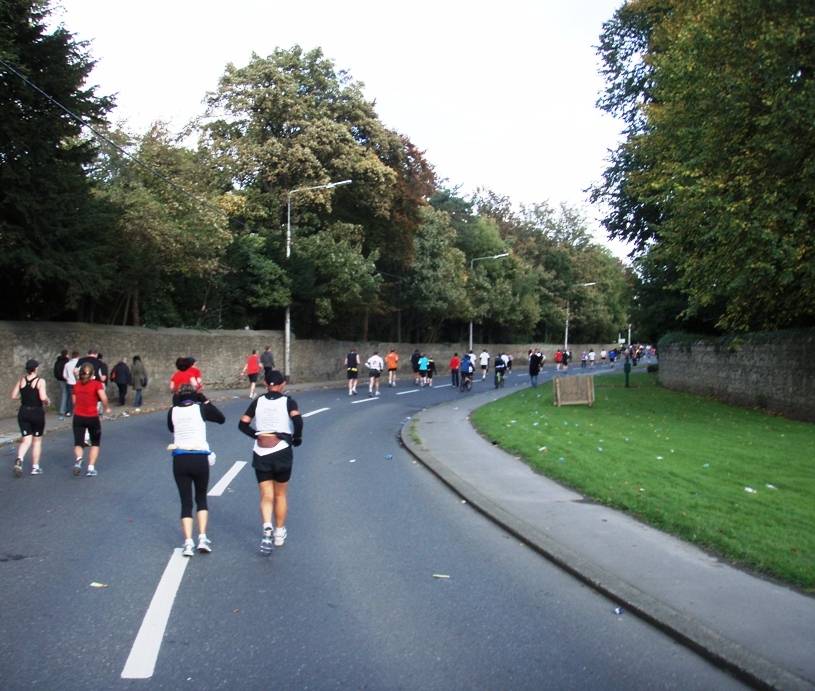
274,466
352,372
94,427
31,420
374,373
253,377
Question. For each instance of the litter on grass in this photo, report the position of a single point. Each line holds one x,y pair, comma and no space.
750,490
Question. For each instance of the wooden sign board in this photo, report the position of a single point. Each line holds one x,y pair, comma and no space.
574,390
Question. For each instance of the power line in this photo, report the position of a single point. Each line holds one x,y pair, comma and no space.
107,140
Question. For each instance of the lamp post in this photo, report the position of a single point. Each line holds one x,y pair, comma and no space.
287,329
473,261
566,337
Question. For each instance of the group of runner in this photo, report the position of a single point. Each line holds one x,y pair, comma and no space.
272,420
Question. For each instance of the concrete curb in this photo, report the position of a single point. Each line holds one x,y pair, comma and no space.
744,664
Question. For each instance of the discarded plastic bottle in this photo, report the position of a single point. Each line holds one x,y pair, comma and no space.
389,456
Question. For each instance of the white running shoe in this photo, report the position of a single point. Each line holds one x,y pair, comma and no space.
279,536
204,544
267,544
189,548
36,470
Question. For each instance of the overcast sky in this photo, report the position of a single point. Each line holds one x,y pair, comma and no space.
498,95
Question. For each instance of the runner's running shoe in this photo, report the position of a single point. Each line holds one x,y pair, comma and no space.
18,467
267,544
78,466
204,544
280,536
189,548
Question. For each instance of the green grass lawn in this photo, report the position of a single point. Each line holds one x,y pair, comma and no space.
738,482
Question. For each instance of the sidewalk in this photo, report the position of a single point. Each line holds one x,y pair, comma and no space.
762,633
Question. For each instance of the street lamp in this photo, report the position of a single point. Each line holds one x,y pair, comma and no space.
472,261
566,337
287,330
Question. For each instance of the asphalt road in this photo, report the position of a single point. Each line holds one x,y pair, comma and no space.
353,600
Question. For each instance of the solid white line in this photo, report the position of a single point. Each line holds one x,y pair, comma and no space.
364,400
314,412
223,483
402,393
143,655
440,386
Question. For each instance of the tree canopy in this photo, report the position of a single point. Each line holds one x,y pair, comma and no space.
715,179
192,228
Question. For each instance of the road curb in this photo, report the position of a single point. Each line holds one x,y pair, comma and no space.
741,662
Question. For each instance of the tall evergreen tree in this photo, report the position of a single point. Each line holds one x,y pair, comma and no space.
51,228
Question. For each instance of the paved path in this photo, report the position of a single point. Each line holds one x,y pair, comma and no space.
761,632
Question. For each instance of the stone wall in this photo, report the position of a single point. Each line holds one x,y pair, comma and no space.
775,371
219,354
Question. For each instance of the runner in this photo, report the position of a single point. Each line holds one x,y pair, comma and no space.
352,367
88,393
375,367
278,428
251,369
191,461
31,416
392,362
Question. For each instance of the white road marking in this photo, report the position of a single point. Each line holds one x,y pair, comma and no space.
441,386
223,483
314,412
402,393
364,400
142,659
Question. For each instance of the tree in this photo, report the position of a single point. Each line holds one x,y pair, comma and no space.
292,121
436,287
168,232
51,227
718,183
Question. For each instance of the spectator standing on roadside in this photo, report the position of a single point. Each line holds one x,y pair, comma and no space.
251,369
375,366
535,366
59,374
70,380
267,360
191,461
31,416
88,393
392,363
352,368
278,428
138,373
120,375
100,369
455,363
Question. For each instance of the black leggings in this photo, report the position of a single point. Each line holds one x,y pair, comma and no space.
191,469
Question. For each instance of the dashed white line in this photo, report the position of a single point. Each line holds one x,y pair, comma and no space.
223,483
314,412
142,659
